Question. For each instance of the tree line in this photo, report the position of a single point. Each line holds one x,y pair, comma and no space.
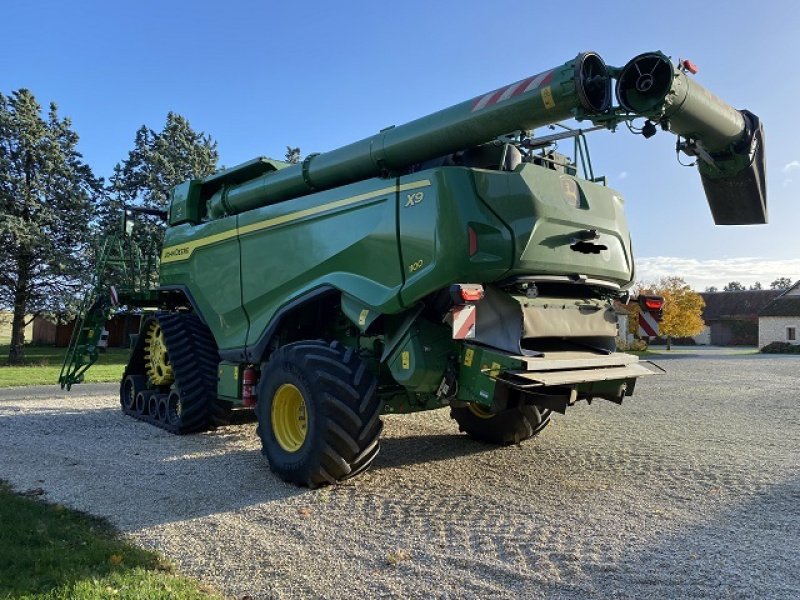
54,210
781,283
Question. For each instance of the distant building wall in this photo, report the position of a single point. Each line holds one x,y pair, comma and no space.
721,334
44,332
120,328
734,331
704,337
773,329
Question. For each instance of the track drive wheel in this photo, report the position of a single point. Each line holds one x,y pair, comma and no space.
318,413
510,426
156,355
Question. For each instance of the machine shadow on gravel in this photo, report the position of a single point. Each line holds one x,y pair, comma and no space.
748,551
412,450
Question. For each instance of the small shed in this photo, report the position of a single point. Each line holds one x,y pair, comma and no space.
120,328
732,318
779,321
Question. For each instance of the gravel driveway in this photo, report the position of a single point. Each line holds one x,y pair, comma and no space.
690,489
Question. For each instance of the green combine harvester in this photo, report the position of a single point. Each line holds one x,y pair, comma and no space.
457,261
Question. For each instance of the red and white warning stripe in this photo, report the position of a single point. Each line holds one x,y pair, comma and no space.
464,322
510,91
648,325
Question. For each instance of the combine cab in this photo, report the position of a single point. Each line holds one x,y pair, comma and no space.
456,261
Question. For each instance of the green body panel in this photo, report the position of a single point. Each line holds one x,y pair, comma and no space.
185,203
210,273
420,359
544,222
479,367
351,245
229,384
359,313
351,239
434,239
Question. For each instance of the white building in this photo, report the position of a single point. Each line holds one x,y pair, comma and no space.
779,321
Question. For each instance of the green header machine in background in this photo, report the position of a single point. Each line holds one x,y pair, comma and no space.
457,260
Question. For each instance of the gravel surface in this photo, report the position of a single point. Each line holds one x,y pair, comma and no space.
690,489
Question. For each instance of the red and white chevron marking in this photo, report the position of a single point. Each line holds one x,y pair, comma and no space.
648,325
464,322
511,91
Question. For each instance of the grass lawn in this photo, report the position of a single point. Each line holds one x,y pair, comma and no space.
48,552
43,364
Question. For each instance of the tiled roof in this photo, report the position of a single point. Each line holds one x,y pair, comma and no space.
785,306
745,303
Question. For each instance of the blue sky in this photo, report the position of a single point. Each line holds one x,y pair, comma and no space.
260,75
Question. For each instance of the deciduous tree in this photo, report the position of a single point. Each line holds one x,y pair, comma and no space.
683,308
48,197
781,283
734,286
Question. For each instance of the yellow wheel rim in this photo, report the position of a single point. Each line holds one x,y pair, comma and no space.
289,417
156,356
479,411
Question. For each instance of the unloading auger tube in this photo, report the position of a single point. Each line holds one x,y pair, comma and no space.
579,86
729,143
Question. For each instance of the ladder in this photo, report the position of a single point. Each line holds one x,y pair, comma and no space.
119,260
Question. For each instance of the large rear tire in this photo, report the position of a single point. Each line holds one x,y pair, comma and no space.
510,426
318,413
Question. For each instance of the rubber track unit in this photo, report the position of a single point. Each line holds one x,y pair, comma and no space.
194,358
343,413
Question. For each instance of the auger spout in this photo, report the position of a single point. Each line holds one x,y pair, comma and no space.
729,143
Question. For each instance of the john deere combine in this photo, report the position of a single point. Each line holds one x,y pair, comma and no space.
454,261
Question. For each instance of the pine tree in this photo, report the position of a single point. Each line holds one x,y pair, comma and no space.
158,162
48,197
292,155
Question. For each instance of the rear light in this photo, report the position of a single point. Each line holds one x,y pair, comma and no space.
651,302
473,241
466,293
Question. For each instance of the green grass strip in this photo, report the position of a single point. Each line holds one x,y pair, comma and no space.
43,365
48,552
